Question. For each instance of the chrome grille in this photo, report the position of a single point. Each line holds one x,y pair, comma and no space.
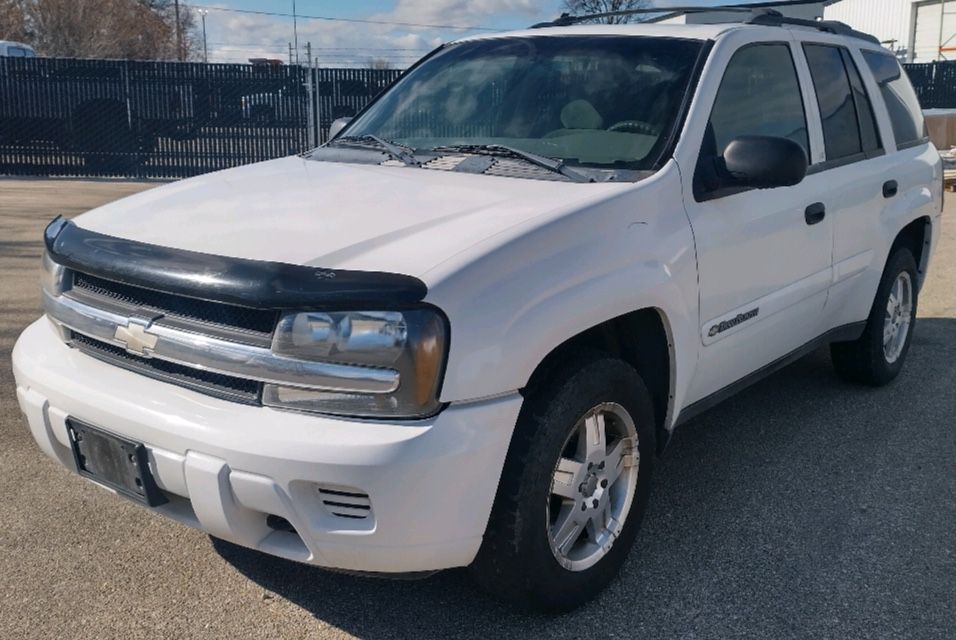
214,384
243,318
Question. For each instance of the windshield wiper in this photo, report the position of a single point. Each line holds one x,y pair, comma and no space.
398,152
552,164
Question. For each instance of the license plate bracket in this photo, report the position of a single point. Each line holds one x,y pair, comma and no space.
113,461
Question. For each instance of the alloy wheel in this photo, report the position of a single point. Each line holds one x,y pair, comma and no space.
896,322
593,486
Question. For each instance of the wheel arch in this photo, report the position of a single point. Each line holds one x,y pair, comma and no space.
642,338
916,236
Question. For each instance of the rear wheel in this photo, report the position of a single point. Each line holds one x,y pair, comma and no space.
878,356
574,487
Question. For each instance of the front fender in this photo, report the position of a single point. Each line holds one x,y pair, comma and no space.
514,299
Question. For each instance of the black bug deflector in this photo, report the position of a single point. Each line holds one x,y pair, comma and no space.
236,281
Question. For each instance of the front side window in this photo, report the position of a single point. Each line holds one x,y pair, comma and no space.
605,102
909,127
758,96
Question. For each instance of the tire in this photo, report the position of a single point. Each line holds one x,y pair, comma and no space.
517,561
867,360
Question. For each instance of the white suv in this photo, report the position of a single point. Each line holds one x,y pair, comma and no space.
460,333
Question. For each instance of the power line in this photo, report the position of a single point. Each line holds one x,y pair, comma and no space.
283,45
279,14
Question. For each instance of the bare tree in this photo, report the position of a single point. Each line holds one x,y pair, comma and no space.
586,7
12,21
130,29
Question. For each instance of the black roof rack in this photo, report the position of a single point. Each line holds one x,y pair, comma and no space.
827,26
567,20
759,16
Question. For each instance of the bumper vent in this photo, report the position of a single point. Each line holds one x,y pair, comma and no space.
346,503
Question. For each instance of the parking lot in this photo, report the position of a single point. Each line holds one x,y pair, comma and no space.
802,508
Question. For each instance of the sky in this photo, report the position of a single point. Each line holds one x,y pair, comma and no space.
233,36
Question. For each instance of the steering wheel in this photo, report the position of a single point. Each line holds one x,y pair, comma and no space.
636,126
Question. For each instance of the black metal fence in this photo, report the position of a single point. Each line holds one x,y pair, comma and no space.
935,83
61,117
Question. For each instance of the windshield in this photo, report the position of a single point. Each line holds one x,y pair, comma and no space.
598,101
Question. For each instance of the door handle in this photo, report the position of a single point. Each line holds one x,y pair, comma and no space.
890,188
815,213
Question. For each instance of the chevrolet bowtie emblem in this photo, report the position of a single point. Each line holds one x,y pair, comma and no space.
135,337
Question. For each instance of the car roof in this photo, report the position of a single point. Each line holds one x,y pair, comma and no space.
689,31
658,30
12,43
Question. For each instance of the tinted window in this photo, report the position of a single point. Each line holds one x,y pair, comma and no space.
864,107
841,130
901,100
604,102
758,96
17,52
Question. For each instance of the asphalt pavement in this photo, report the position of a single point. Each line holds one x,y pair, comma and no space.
804,507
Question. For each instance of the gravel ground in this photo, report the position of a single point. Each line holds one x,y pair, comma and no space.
804,507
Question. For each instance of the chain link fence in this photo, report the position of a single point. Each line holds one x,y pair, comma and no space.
62,117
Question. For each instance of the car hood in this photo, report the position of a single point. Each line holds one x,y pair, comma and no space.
333,215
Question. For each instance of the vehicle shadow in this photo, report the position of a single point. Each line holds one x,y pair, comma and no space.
787,511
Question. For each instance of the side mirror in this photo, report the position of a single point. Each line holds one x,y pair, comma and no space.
764,162
337,127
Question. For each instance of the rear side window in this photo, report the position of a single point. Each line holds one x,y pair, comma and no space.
758,96
848,126
17,52
906,116
869,132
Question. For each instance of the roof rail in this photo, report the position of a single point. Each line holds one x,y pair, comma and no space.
759,16
567,20
827,26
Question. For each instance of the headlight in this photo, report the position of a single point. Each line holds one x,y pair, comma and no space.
412,343
52,276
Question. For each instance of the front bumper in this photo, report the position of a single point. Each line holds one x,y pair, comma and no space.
226,467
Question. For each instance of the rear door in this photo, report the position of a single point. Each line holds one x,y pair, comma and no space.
857,174
764,256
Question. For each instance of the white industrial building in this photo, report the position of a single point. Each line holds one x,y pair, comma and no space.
918,30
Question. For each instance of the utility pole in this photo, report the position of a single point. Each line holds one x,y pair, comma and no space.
179,34
290,54
942,19
295,31
205,46
310,93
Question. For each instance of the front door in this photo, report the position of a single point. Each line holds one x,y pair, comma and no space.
764,256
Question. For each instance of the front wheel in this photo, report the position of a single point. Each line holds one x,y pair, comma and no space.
877,357
574,488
